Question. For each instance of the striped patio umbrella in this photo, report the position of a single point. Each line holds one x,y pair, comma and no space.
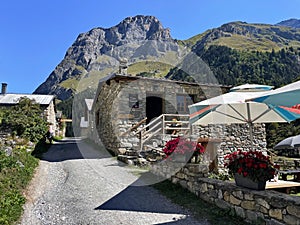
288,95
232,108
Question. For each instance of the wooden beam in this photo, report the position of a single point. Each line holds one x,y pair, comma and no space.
66,120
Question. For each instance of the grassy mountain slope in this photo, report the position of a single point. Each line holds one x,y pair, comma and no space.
253,37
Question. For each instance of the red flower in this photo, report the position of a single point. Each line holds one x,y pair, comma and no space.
182,146
253,164
240,170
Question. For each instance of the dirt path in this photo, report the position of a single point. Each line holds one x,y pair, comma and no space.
78,184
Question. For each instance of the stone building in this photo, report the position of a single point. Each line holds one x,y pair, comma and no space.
122,101
46,103
124,104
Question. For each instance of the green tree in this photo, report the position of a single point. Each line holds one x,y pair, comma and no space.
26,119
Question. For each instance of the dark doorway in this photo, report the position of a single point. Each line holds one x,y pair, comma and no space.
154,106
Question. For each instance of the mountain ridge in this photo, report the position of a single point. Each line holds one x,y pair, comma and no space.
82,56
293,23
96,53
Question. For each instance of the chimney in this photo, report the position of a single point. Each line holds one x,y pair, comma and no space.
4,87
123,66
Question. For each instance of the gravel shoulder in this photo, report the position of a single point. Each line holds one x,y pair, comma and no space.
76,183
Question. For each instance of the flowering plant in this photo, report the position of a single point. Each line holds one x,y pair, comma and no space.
183,146
252,164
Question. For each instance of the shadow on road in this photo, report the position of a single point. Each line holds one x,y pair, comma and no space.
176,222
138,199
72,149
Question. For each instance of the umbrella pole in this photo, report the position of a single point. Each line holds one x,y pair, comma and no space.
251,134
250,125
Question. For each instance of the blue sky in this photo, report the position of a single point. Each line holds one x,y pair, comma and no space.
35,34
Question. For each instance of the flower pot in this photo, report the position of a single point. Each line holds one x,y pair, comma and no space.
242,181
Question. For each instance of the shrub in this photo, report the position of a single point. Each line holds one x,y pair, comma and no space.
26,120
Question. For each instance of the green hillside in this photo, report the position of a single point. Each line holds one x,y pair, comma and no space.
149,69
244,36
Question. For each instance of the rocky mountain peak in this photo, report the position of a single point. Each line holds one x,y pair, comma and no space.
120,41
148,27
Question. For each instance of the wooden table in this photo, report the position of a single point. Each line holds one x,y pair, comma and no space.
295,173
285,186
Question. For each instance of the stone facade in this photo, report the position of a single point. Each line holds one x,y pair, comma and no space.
261,207
122,101
231,138
50,114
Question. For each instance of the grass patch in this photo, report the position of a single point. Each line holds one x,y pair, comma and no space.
149,68
298,194
193,40
200,209
70,83
16,171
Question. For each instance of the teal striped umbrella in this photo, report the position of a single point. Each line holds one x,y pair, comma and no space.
288,95
235,108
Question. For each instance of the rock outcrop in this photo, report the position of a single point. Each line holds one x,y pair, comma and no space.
101,48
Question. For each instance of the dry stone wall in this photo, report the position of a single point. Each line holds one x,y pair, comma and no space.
263,207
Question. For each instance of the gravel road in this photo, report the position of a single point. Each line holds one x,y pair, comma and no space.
88,186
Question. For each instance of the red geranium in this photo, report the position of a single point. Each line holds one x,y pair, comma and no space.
252,164
183,146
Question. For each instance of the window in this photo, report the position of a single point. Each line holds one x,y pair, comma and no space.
133,101
183,101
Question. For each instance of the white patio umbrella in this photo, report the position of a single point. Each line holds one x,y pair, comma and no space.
252,87
288,143
232,108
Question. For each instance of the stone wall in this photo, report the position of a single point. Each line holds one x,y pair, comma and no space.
49,112
262,207
232,137
105,115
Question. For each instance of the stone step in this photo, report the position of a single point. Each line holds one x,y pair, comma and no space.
127,159
153,148
131,153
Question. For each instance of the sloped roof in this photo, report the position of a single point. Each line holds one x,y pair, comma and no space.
12,99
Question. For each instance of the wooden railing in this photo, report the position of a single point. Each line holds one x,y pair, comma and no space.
182,121
161,125
134,127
